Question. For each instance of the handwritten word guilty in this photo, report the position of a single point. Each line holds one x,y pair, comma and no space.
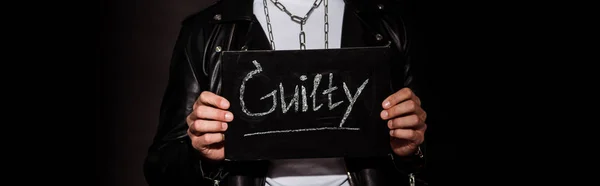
302,96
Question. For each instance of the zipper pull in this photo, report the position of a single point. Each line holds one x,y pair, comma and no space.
411,179
350,181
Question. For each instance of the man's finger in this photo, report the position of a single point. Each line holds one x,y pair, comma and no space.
209,98
210,113
210,138
190,119
394,99
407,134
416,99
200,127
407,122
404,108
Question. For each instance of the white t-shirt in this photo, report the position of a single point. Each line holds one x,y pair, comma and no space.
304,172
286,32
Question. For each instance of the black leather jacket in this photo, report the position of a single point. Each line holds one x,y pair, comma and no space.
231,25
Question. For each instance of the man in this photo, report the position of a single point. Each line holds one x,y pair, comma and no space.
188,147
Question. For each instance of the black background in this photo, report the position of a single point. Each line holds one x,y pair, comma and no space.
137,39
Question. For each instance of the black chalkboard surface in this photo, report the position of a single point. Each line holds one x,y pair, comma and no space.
306,104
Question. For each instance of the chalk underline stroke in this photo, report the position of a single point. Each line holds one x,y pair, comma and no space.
298,130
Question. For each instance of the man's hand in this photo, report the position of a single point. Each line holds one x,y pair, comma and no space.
207,122
406,121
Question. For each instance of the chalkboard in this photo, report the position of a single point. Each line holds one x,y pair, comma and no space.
306,104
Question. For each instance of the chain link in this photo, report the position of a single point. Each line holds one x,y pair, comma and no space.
326,16
299,20
269,28
302,37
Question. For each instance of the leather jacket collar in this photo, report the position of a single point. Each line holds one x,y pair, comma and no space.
237,10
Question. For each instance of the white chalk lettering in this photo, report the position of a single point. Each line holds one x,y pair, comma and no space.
285,107
316,82
352,99
243,87
304,104
302,94
329,91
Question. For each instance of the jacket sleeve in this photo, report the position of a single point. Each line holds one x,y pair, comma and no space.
404,37
171,159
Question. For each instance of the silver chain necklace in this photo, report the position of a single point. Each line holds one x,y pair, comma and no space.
299,20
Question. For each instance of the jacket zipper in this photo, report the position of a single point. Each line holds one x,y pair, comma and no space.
350,182
219,177
411,179
411,176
